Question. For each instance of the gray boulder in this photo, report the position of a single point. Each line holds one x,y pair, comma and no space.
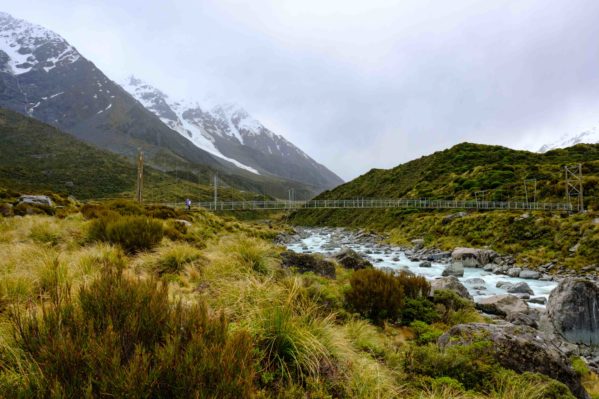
450,283
426,263
520,288
504,284
36,200
350,259
454,269
473,257
539,300
475,281
514,271
502,305
573,308
519,348
304,263
529,274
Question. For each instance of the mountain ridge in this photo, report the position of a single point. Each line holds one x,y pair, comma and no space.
226,130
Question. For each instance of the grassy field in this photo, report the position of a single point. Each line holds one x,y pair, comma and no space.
90,307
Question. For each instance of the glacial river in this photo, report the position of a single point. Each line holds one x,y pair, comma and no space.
322,241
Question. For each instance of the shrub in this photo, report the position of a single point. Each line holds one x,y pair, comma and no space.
126,207
453,309
132,233
425,333
122,338
418,309
375,294
414,286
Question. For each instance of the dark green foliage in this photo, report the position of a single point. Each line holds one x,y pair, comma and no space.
132,233
375,294
451,306
122,338
418,309
472,365
304,263
425,333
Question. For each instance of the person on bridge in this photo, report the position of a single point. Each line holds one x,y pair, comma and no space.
188,204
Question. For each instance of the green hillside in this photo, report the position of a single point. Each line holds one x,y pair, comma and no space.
467,168
35,156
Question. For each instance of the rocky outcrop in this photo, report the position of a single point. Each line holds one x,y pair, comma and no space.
573,308
502,305
304,263
473,257
450,283
518,348
454,269
520,288
350,259
35,200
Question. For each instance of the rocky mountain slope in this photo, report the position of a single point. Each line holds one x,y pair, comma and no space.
35,156
590,136
43,76
229,132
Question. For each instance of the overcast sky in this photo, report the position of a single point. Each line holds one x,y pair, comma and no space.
357,84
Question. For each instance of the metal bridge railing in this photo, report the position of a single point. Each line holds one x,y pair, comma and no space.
383,204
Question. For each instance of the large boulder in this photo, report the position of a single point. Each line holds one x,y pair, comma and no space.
304,263
450,283
573,308
473,257
502,305
520,288
518,348
350,259
35,200
454,269
529,274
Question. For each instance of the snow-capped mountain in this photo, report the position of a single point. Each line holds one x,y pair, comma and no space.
229,132
590,136
43,76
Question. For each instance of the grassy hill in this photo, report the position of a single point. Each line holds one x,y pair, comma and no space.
459,172
37,157
466,168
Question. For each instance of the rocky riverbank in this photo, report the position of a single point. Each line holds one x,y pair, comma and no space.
565,319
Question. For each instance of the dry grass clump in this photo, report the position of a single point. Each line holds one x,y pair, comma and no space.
121,337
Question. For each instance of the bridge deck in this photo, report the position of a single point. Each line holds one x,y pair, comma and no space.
383,204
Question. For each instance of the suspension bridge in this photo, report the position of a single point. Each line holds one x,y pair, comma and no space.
383,204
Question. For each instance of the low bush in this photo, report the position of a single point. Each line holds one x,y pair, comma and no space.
23,209
418,309
453,309
132,233
375,295
414,286
122,338
425,333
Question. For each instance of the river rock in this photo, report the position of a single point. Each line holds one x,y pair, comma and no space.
539,300
450,283
473,257
35,200
304,263
529,274
488,267
426,263
475,281
350,259
520,288
502,305
573,308
454,269
519,348
504,284
514,271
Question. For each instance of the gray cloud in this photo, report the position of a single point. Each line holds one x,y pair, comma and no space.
358,84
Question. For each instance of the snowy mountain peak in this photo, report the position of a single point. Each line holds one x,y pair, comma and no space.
590,136
25,46
227,130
